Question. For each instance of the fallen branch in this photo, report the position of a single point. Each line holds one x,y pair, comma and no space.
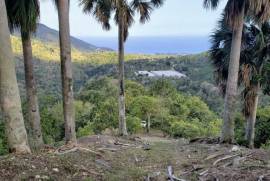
214,156
121,144
203,173
171,176
225,158
74,149
65,152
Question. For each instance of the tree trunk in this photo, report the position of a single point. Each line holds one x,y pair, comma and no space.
66,72
251,118
36,140
122,111
9,91
227,135
148,123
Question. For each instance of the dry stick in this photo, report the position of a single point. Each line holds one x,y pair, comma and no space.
214,156
171,176
225,158
122,144
76,149
203,173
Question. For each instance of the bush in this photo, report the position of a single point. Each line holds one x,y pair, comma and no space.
86,130
262,128
185,130
133,124
3,140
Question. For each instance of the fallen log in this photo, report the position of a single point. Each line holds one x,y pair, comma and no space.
225,158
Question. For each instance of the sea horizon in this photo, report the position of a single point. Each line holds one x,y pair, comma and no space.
155,44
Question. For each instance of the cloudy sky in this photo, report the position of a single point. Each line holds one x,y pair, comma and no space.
175,18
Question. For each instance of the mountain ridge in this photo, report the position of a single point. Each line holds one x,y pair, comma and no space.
47,34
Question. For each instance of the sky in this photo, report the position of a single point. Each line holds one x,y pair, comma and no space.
174,18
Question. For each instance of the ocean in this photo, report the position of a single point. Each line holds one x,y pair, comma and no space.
155,45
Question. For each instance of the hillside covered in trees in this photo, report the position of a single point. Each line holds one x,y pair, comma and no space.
71,110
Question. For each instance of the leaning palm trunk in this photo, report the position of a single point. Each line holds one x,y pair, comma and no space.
9,91
227,135
251,118
36,140
66,71
122,116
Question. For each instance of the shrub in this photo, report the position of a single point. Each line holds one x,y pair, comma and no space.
133,124
185,129
3,140
86,130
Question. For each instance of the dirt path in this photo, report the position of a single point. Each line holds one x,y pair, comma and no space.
139,158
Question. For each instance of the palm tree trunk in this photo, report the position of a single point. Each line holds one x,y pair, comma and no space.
251,119
9,92
227,135
148,123
31,92
66,72
122,111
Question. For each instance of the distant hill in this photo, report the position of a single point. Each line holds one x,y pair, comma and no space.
46,34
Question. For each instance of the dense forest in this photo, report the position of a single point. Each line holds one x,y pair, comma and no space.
74,111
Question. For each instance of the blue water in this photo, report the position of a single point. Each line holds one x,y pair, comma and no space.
155,45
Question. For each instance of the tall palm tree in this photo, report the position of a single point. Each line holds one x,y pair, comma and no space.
235,13
23,15
124,18
9,91
66,70
253,58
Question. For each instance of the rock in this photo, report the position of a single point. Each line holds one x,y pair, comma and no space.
182,141
147,147
55,169
235,148
45,177
152,176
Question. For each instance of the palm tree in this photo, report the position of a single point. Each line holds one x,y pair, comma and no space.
66,70
9,91
24,15
253,58
235,13
124,18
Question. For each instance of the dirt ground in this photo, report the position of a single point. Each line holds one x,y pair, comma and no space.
149,158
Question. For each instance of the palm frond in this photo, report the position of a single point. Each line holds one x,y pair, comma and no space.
100,9
157,3
233,12
143,8
260,10
23,15
211,4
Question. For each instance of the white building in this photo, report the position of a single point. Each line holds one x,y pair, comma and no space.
164,73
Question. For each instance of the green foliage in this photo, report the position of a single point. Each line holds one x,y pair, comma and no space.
167,109
186,129
86,130
3,140
52,118
133,124
144,106
162,87
262,128
52,123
